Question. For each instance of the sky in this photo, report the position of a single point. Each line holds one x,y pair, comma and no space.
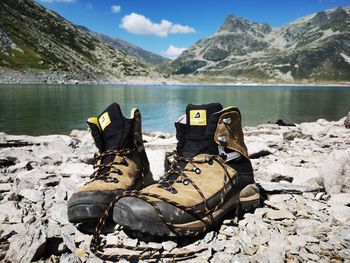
168,27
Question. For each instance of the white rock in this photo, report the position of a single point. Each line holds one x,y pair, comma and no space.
10,212
279,214
31,194
27,246
335,171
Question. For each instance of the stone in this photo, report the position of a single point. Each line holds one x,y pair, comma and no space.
277,248
67,234
218,245
296,241
306,226
232,246
279,214
209,237
58,213
130,242
28,246
169,245
6,187
154,245
335,171
221,257
10,212
287,188
31,194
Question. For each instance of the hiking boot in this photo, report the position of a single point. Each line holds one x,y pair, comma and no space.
210,176
121,164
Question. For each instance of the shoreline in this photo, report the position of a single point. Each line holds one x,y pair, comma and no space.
11,77
170,83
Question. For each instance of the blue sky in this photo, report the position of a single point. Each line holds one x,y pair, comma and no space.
166,27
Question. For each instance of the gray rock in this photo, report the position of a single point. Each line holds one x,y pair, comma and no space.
279,214
288,188
218,245
154,245
6,187
221,257
169,245
296,241
277,247
10,212
31,194
58,212
67,234
232,246
209,236
130,242
27,246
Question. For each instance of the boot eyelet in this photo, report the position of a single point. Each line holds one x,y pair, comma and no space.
197,170
173,190
227,120
124,162
223,156
209,160
185,181
222,139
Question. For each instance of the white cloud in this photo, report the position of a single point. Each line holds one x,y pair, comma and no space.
57,1
181,29
116,8
173,51
141,25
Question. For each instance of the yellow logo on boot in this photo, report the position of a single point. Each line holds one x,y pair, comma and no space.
198,117
104,120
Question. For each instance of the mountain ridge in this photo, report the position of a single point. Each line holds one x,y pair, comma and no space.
314,47
33,38
131,49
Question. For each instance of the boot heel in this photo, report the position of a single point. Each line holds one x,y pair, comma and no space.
249,198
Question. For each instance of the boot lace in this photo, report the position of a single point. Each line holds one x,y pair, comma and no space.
176,173
102,171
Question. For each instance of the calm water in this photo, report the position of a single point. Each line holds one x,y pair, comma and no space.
47,109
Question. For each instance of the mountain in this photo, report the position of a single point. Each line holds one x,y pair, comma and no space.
132,50
34,38
315,47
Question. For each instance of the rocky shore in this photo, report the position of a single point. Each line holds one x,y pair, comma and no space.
303,171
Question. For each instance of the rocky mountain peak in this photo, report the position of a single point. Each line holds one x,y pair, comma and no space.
314,47
339,15
235,24
319,18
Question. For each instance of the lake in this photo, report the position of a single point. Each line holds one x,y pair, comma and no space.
57,109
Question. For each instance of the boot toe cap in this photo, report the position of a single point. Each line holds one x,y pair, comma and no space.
137,214
87,207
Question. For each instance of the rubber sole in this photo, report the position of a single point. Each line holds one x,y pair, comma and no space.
141,217
88,207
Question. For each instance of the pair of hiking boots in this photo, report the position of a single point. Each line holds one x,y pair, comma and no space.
208,176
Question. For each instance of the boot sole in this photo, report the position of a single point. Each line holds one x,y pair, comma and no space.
88,207
241,200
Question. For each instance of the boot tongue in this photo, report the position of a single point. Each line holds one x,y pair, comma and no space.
115,128
201,124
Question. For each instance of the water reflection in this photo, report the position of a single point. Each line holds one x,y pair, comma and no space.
45,109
